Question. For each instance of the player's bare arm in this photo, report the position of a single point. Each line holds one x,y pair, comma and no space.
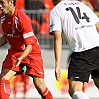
3,41
57,52
97,26
25,53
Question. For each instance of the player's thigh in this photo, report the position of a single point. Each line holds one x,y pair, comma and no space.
10,61
39,83
95,76
96,82
7,74
74,86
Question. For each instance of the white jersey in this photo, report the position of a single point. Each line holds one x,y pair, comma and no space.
78,24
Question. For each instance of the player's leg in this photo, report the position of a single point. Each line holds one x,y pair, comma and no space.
5,77
96,81
95,77
79,70
95,73
7,72
41,88
38,79
35,69
75,90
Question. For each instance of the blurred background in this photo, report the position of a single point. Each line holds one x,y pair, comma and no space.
38,11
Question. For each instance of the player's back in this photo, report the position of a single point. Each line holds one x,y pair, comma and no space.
78,23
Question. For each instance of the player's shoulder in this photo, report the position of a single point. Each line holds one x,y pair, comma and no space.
58,8
21,15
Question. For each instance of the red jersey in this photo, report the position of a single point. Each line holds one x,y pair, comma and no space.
18,30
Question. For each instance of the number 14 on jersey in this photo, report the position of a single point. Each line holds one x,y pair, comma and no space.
78,15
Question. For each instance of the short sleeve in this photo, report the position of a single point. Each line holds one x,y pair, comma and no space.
27,31
55,22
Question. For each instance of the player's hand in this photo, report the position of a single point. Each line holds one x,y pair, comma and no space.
57,73
18,61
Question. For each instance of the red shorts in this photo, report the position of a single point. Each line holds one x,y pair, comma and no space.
34,64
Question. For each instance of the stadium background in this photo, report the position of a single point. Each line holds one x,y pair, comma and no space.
59,90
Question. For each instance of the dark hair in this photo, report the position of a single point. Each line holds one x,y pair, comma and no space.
14,1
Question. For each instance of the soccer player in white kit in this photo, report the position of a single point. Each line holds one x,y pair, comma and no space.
80,27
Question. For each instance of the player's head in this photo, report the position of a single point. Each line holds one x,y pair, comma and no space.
7,5
55,2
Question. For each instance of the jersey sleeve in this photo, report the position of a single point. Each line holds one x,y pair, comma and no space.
55,22
27,31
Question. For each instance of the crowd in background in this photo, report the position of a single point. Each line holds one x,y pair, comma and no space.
34,4
47,4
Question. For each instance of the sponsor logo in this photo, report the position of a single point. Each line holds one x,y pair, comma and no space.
76,77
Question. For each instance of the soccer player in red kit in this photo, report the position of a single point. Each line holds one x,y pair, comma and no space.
24,50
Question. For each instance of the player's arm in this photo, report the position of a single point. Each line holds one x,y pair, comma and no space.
57,52
97,26
25,53
3,40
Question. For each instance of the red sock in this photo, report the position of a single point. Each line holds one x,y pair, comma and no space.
5,89
46,94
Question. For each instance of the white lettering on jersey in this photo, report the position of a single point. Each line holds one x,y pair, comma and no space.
16,23
28,34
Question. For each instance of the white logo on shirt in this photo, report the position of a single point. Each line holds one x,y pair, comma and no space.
76,77
41,72
29,34
9,22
